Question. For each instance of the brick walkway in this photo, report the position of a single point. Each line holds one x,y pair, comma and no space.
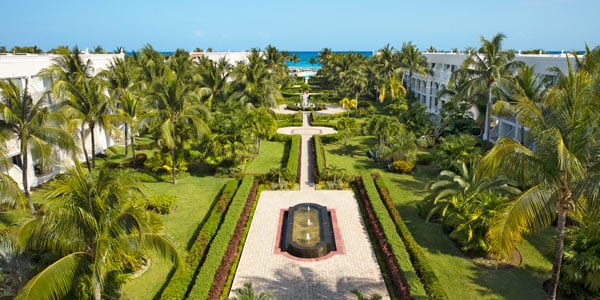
331,278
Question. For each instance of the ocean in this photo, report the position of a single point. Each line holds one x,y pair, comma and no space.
305,57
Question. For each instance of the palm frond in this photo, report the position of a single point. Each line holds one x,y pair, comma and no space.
55,281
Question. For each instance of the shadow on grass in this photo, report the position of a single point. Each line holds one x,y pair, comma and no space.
523,282
201,169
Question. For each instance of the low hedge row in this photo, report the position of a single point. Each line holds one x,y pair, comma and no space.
319,158
218,247
386,244
293,158
180,283
332,137
419,261
226,272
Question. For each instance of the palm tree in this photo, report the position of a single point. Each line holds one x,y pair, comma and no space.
413,61
254,83
10,193
467,202
556,172
34,125
176,105
526,84
348,124
120,78
98,229
262,125
386,66
384,128
84,94
212,79
486,68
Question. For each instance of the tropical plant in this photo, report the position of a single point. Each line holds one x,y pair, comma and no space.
36,127
231,143
347,104
581,263
212,79
125,91
247,293
466,203
278,177
456,148
98,230
557,172
486,68
178,115
384,128
15,267
413,61
361,296
254,84
84,97
348,124
262,125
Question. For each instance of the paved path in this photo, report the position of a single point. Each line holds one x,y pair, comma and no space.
288,278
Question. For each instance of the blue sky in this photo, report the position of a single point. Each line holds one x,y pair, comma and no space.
299,25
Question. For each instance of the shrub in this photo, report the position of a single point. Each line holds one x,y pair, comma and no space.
278,137
424,158
226,272
293,159
145,177
392,255
332,137
419,261
319,157
220,243
162,204
402,166
179,285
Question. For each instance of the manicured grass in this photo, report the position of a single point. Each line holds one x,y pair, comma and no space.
460,276
271,154
194,197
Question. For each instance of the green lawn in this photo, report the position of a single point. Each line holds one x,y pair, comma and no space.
271,154
194,197
460,276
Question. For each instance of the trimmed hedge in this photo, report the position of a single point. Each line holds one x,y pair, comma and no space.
293,158
220,243
179,284
319,158
226,273
430,281
393,241
332,137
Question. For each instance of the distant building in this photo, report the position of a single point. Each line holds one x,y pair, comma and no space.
22,68
426,88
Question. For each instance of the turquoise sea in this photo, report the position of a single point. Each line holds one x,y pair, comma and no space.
305,57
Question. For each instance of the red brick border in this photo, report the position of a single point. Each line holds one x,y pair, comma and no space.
336,234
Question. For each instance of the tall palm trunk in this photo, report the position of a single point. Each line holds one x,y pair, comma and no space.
488,106
97,290
173,170
85,154
558,252
132,146
24,172
93,136
126,138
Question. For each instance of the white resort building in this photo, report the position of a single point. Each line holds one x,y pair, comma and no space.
426,88
23,69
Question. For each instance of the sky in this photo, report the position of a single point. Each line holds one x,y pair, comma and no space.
303,25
